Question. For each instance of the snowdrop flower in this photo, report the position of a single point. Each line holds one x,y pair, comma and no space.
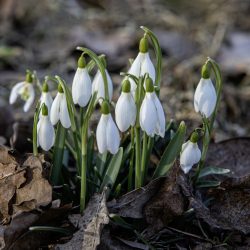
125,110
25,90
190,153
205,95
107,134
59,109
45,130
98,84
142,64
81,86
46,98
152,118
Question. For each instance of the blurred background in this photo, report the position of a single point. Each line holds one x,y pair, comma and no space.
43,35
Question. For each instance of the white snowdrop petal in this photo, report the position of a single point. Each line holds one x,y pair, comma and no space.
161,122
46,134
84,89
101,134
186,169
31,98
110,85
148,116
148,67
75,85
113,137
15,92
125,112
64,113
55,109
46,99
38,129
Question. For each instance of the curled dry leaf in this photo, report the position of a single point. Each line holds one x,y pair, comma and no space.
90,225
230,207
22,185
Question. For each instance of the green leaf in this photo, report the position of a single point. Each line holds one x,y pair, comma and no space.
100,162
207,184
112,170
171,152
213,170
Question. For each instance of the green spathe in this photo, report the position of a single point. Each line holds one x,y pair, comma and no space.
143,47
44,110
205,72
126,86
149,85
105,108
81,62
194,137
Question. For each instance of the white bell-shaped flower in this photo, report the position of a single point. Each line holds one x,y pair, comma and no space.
25,90
190,153
59,109
81,86
46,98
107,134
125,110
98,84
205,95
142,64
152,117
45,130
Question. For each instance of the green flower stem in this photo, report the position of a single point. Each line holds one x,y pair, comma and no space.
84,167
84,149
209,123
72,112
100,66
131,161
36,117
58,154
137,157
144,157
158,55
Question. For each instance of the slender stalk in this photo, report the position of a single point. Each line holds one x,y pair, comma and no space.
131,161
137,157
58,154
34,132
144,157
84,167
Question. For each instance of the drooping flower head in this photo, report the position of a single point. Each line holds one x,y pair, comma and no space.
81,86
98,84
190,153
25,90
125,110
152,117
59,109
46,97
107,134
45,130
205,95
142,64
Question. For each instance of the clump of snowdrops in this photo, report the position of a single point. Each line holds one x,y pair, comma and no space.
126,132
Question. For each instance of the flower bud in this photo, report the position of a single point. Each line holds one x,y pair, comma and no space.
29,77
45,88
81,62
149,85
126,86
205,72
60,88
143,47
44,110
105,108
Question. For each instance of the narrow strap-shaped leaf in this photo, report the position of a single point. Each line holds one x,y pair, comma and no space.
213,170
58,154
207,184
112,170
171,152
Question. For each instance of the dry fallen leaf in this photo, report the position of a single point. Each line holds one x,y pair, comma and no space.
90,225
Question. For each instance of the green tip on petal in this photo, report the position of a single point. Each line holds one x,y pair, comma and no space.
105,108
81,62
126,86
29,77
45,87
143,47
60,88
149,85
194,137
44,110
103,60
205,72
